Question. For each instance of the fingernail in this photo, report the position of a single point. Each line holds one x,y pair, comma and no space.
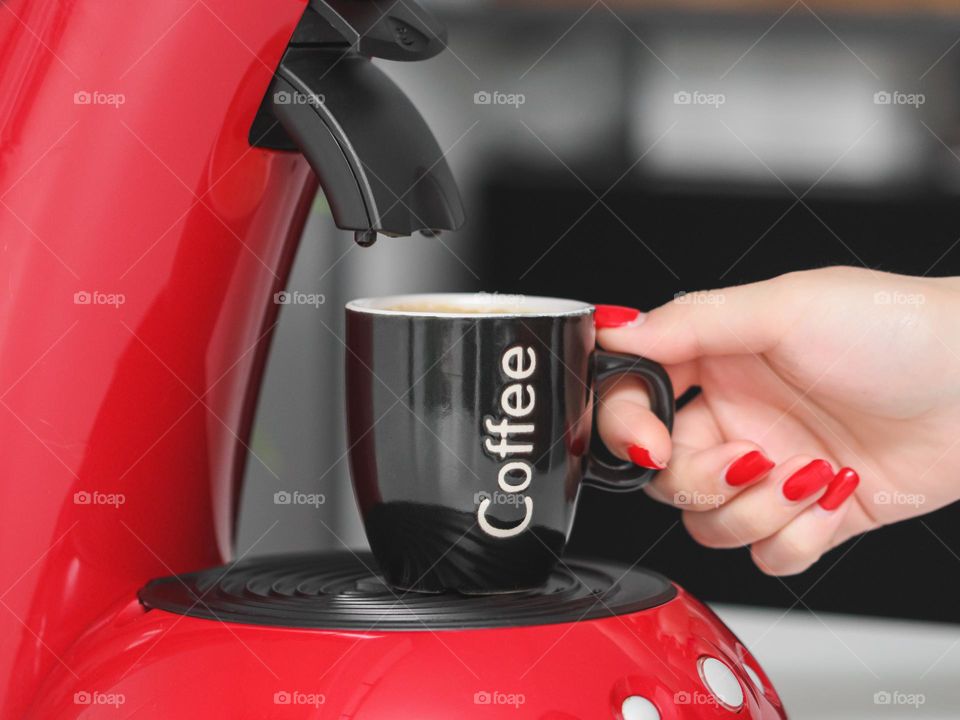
642,457
577,446
748,468
807,480
839,489
613,316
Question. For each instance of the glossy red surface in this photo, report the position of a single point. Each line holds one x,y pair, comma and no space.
158,665
142,238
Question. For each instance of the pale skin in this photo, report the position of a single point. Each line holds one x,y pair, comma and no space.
857,367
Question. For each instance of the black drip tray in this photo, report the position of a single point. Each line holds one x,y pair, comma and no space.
342,591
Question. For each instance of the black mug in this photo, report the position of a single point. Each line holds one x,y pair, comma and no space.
469,423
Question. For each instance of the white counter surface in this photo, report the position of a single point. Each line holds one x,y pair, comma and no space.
833,667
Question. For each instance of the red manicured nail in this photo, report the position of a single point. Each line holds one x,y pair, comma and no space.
839,489
752,466
612,316
642,457
807,480
577,445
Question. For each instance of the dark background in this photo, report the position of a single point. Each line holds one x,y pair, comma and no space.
902,570
599,81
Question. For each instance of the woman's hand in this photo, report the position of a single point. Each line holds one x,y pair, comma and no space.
802,376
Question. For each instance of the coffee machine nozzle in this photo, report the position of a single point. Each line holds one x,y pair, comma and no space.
330,102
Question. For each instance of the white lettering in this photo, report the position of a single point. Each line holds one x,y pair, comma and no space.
503,448
503,532
511,400
504,428
517,400
503,477
513,366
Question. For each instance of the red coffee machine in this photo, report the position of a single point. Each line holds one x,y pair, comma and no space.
156,165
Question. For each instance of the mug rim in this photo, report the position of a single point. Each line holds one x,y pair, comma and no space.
540,306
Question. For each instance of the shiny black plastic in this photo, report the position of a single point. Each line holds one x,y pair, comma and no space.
379,165
604,470
342,591
384,28
430,475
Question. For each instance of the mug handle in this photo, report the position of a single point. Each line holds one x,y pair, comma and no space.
603,469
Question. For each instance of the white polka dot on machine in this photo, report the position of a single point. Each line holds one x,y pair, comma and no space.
637,707
754,678
721,681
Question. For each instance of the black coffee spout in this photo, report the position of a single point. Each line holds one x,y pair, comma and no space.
379,164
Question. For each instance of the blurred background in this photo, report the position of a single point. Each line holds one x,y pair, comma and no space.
623,152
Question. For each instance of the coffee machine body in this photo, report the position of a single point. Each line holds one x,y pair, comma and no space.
143,238
316,636
152,192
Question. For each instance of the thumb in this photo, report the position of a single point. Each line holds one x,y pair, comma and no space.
731,321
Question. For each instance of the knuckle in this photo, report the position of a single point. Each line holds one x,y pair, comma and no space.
696,529
789,553
800,547
768,565
772,563
749,527
703,530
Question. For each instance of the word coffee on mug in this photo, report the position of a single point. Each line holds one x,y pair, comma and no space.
508,437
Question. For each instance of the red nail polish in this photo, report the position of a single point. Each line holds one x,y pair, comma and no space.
839,489
577,446
807,480
612,316
752,466
642,457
